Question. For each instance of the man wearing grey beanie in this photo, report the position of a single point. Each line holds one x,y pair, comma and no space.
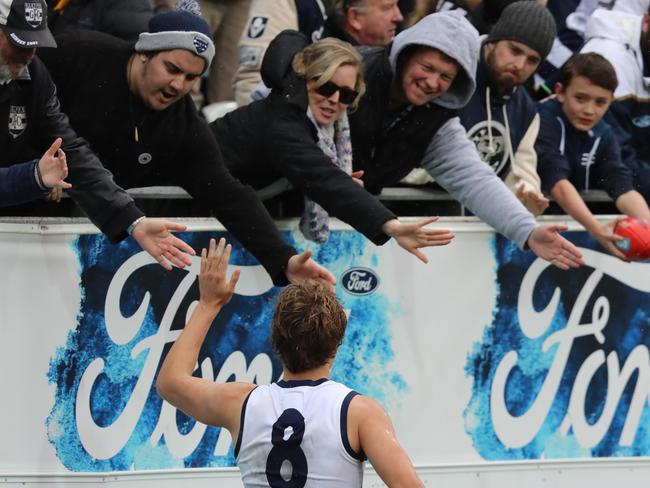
131,104
501,118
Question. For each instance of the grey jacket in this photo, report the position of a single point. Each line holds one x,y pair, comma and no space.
451,158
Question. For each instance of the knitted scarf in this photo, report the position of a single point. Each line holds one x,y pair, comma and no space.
334,140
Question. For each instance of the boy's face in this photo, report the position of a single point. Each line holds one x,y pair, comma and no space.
583,103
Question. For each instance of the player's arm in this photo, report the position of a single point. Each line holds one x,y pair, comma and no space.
633,204
377,439
567,197
206,401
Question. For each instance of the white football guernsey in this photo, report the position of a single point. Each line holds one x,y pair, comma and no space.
293,434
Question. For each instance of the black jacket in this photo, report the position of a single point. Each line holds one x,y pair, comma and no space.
388,145
32,108
174,146
125,19
273,138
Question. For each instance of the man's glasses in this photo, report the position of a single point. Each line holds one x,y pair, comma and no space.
346,95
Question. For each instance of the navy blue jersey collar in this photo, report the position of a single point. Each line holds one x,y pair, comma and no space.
295,383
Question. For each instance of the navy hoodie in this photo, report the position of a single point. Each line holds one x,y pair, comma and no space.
589,160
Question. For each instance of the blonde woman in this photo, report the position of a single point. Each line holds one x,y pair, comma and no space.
300,132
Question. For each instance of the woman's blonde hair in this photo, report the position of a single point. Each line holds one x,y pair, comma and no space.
320,60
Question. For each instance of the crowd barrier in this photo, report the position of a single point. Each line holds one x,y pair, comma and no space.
497,369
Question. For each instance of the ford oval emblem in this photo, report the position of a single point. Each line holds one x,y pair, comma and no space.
359,281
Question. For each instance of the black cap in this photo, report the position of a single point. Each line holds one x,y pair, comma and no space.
24,22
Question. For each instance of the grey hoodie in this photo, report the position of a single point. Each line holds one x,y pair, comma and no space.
450,33
451,158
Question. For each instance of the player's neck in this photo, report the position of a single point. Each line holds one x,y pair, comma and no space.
312,374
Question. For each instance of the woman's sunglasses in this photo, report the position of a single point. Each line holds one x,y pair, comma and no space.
346,95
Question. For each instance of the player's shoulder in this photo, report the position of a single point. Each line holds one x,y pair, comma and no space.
236,391
362,407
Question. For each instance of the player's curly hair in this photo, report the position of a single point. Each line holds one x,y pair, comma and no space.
308,326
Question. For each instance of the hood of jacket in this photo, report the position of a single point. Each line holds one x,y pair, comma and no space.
452,34
621,27
276,70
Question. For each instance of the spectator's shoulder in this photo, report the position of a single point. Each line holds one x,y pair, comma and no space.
92,43
549,109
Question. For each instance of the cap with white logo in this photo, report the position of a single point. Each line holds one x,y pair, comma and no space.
24,22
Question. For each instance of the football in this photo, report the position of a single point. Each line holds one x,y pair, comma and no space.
636,238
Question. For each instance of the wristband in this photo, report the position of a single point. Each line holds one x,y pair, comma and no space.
39,178
131,228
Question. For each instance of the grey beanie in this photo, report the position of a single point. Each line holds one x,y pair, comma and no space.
182,28
527,22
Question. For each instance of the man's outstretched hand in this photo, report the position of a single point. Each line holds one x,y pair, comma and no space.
301,267
548,244
155,236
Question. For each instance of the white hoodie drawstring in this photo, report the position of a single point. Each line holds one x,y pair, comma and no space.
511,153
506,136
489,119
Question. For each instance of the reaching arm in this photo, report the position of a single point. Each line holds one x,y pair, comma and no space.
572,203
206,401
451,159
523,177
633,204
377,440
297,157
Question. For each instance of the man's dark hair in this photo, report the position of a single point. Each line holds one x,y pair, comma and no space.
592,66
308,326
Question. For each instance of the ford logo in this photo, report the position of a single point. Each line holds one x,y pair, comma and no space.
360,281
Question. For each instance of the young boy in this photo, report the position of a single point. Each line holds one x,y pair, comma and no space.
577,150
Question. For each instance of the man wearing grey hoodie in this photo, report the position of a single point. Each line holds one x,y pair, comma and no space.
408,118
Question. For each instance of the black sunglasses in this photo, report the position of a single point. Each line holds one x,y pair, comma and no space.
346,95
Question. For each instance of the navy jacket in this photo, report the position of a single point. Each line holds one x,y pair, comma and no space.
18,184
491,135
589,160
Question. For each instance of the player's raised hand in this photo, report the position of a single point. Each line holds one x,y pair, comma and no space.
215,289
